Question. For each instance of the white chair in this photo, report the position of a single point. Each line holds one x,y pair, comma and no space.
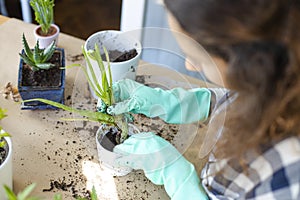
25,7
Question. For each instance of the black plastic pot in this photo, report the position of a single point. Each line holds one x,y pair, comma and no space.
54,93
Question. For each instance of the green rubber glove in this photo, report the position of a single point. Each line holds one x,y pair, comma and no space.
162,164
173,106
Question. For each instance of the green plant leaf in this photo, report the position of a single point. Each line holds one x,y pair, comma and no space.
105,90
99,61
48,52
57,197
5,134
23,195
2,113
27,60
94,80
109,68
98,91
9,193
36,53
91,115
109,91
45,65
27,49
2,143
2,133
94,194
98,58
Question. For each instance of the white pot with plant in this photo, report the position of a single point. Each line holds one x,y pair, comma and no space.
6,177
46,31
110,126
106,139
124,52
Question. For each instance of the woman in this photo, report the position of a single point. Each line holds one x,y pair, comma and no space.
258,153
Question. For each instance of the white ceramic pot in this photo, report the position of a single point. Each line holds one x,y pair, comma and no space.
107,157
116,40
6,177
45,41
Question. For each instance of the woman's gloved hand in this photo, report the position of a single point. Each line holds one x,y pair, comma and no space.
162,164
173,106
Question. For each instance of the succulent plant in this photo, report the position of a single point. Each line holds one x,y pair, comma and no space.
37,58
43,11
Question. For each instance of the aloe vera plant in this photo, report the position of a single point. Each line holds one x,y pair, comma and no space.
43,11
102,89
37,58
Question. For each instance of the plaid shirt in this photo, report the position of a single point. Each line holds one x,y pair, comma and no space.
273,174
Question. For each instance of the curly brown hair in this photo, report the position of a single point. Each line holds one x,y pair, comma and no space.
260,41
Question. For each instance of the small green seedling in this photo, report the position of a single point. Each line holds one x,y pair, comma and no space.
37,58
93,195
3,133
43,11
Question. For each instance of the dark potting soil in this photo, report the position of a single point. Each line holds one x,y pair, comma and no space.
51,31
61,185
43,78
66,186
110,138
3,154
118,56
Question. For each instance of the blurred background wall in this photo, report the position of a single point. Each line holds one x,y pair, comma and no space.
81,18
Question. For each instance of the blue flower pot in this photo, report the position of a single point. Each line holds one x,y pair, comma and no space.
54,92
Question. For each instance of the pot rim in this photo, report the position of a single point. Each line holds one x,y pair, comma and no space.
138,45
50,36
